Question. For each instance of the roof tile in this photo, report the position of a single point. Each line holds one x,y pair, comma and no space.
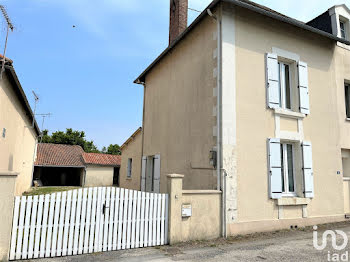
101,159
59,155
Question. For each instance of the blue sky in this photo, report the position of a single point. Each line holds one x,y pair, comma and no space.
84,75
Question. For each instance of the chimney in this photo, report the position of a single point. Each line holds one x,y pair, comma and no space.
178,18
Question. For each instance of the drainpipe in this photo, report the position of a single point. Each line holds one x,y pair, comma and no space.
220,176
143,120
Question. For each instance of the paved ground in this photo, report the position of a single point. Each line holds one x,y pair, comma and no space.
294,245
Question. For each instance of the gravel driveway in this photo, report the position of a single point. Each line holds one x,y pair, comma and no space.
293,245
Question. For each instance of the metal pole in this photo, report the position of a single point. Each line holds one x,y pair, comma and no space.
4,55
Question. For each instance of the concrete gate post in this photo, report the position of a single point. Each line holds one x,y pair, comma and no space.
7,193
175,202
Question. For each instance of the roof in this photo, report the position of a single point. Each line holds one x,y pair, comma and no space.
9,69
59,155
101,159
131,137
260,9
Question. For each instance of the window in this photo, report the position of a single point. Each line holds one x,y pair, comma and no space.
285,86
347,100
342,29
129,168
290,169
150,173
287,169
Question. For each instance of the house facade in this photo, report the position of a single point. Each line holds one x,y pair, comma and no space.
256,104
18,131
130,168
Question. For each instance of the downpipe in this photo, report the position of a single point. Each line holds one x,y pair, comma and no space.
221,176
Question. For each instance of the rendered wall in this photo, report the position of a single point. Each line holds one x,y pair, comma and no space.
205,220
255,36
131,150
179,101
18,146
99,175
7,190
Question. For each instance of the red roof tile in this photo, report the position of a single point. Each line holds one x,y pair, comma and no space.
101,159
59,155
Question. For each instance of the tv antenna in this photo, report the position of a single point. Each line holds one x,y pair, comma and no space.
9,27
36,100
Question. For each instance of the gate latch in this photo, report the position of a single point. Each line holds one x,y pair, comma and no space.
104,209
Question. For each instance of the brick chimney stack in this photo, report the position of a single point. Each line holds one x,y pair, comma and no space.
178,18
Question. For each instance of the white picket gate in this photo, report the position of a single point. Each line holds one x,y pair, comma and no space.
87,220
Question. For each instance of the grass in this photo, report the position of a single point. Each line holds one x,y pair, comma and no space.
47,190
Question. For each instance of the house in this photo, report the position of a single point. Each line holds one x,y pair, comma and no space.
69,165
18,130
256,104
130,169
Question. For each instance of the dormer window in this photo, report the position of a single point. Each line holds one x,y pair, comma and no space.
343,29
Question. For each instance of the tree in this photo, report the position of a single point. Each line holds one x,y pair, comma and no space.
70,137
113,149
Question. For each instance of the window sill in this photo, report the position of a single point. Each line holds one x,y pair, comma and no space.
288,113
343,45
128,178
347,119
293,201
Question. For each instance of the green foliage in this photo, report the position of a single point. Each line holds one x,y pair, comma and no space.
114,149
74,137
70,137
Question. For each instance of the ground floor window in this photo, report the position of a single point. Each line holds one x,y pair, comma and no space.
129,169
287,169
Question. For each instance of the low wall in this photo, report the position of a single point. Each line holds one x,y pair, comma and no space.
203,218
7,193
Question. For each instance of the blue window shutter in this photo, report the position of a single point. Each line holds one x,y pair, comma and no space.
272,73
303,88
308,170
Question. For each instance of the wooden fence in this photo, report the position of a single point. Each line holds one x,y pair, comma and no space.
87,220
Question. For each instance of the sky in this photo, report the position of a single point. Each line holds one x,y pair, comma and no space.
84,74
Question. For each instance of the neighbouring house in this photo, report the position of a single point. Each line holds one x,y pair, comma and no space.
256,104
69,165
18,130
131,161
101,169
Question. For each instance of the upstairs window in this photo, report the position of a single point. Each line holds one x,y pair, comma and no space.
287,84
342,25
347,100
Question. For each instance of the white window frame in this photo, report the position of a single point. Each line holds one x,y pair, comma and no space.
347,100
129,169
341,21
286,192
282,85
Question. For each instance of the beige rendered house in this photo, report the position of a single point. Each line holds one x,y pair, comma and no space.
18,131
255,104
130,168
